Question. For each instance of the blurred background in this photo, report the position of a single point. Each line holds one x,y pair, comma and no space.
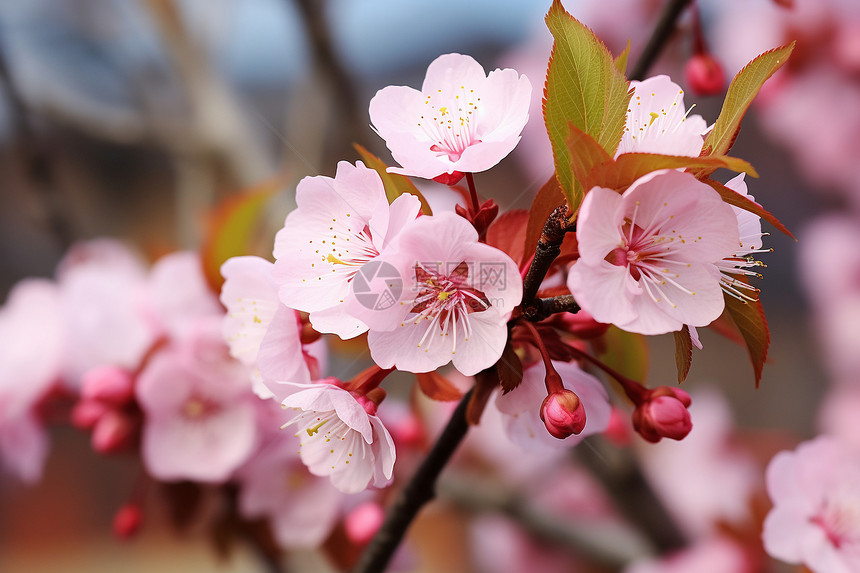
133,118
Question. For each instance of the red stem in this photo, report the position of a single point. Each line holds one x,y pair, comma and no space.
473,193
553,380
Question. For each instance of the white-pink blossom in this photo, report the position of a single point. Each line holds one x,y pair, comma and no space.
646,257
462,120
199,415
32,346
521,407
340,224
658,123
339,438
815,518
717,554
302,509
444,298
261,331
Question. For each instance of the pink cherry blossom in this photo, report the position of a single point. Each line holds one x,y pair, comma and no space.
262,332
340,224
301,508
712,555
455,297
646,257
521,407
339,438
462,120
32,346
199,416
815,519
657,121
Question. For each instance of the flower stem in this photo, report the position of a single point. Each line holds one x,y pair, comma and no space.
420,489
473,193
664,29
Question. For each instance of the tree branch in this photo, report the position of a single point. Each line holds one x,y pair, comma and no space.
547,249
662,32
419,490
541,308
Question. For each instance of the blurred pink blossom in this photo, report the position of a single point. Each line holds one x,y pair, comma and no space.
711,555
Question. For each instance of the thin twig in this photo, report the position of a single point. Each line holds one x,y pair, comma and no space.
662,32
547,249
541,308
420,489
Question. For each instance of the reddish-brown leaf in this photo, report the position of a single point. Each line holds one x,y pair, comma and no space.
437,387
510,368
508,233
547,199
738,200
751,322
485,382
586,155
683,352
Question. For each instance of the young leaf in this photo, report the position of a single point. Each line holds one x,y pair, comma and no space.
547,199
510,368
583,87
231,230
683,352
628,167
733,198
621,60
740,95
751,322
437,387
586,157
395,184
508,233
626,352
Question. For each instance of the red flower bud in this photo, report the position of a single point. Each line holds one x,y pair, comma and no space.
663,414
562,414
705,75
87,413
113,433
109,384
127,521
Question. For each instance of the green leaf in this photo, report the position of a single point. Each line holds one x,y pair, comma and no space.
733,198
395,184
683,352
548,197
586,157
751,322
583,88
743,89
627,353
629,167
232,229
621,60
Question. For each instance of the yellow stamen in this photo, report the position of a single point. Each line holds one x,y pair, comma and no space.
314,429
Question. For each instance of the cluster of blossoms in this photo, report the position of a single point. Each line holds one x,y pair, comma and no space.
651,246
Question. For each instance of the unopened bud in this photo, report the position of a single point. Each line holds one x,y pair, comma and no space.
449,178
86,413
127,521
664,415
562,414
705,75
113,433
109,384
362,523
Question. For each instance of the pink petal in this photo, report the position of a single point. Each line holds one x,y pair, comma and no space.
598,227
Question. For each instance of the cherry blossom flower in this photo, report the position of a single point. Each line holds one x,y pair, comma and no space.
32,346
341,436
340,224
199,416
816,515
301,508
646,257
658,123
521,407
456,297
462,120
261,331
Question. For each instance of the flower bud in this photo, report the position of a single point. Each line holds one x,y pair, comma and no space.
362,523
127,521
663,414
562,414
86,413
113,433
704,75
109,384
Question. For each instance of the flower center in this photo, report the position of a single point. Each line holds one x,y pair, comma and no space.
449,120
445,301
840,520
196,408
